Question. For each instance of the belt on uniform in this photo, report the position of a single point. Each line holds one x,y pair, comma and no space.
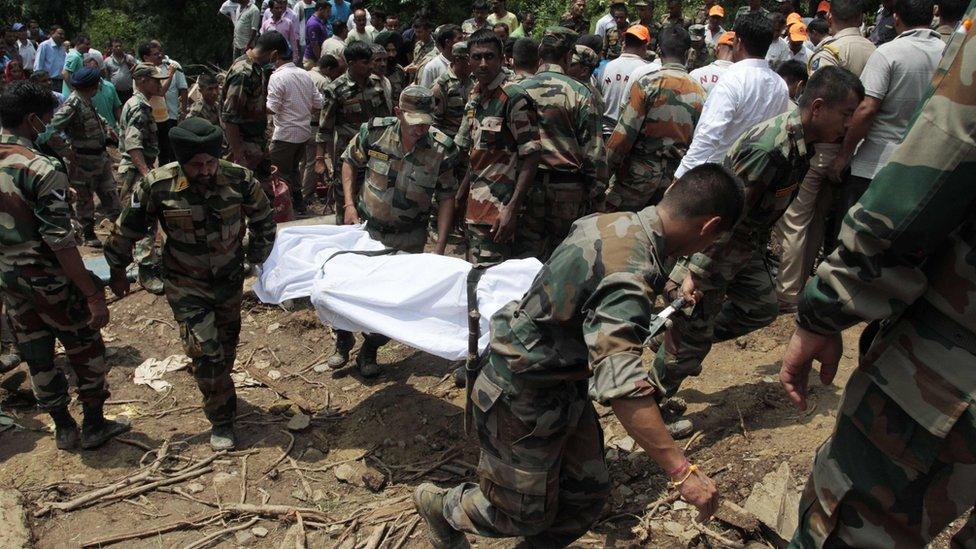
382,228
91,152
559,177
937,321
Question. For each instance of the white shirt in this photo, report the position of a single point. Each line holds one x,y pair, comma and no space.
28,52
333,46
748,93
434,68
708,75
615,83
291,98
230,9
802,56
711,38
604,24
368,35
779,51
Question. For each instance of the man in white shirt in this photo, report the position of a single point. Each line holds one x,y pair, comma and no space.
336,44
361,30
616,78
798,37
26,47
292,98
779,48
445,40
246,27
748,93
230,9
708,76
605,23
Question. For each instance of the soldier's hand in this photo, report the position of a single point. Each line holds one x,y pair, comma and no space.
504,227
700,490
805,347
119,283
689,289
835,171
350,216
321,168
98,310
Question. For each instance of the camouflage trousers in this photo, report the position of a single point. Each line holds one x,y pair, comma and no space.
482,250
549,212
635,194
736,299
541,473
146,251
91,174
883,480
44,305
209,316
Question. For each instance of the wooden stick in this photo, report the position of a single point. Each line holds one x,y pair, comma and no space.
299,400
206,540
194,522
301,476
373,542
301,541
200,468
291,444
445,458
244,478
406,533
726,542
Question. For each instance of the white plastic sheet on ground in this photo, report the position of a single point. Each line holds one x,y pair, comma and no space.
417,299
152,370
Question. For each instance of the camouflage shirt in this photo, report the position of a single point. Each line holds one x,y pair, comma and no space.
243,98
653,132
35,219
400,185
469,26
744,10
908,253
81,124
612,43
204,224
137,130
499,127
569,125
205,111
346,107
398,80
698,58
450,96
588,310
770,159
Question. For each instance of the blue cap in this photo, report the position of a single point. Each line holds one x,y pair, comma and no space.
17,27
85,77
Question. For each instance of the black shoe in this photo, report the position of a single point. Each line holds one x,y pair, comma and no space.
65,429
9,361
366,361
343,344
96,430
150,280
460,377
222,438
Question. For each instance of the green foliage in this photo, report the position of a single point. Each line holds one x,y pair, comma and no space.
105,24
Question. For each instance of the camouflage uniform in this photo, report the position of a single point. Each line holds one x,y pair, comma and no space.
398,80
699,57
204,110
91,169
745,10
42,303
243,103
770,159
572,167
576,335
203,263
612,43
451,96
499,128
137,130
469,26
899,465
345,108
653,133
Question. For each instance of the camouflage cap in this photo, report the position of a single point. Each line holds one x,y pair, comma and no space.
417,105
147,69
584,55
697,32
560,37
459,49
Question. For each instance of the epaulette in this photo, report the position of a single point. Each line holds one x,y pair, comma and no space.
163,173
382,121
441,137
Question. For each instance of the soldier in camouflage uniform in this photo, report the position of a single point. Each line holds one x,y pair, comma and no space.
89,165
348,102
502,133
244,112
673,15
582,64
139,147
394,72
771,159
613,39
572,171
207,107
451,91
202,203
700,54
408,164
899,466
577,335
654,130
46,290
752,6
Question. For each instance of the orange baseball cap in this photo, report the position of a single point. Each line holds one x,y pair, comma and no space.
640,31
726,39
823,6
798,32
793,18
716,10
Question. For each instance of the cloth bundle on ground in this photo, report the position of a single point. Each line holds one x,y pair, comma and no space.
417,299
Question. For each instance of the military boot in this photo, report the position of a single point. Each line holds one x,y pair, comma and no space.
96,430
343,344
429,501
65,428
366,361
90,239
222,438
9,361
149,278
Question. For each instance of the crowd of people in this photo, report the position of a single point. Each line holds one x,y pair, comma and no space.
708,155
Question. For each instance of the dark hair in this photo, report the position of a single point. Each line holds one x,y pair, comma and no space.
339,27
79,38
631,41
951,11
819,25
421,22
793,71
502,25
847,10
832,84
486,36
592,41
526,53
706,190
674,41
23,98
319,4
527,13
114,40
914,13
273,41
755,32
206,80
143,50
328,61
479,5
386,37
446,33
510,46
358,51
39,75
777,19
616,6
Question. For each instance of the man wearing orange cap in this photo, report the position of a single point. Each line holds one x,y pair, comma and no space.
615,81
708,75
823,8
703,13
713,30
797,36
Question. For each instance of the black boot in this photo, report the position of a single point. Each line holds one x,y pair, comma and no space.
65,428
366,361
90,239
96,430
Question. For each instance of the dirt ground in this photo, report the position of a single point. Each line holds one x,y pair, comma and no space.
406,425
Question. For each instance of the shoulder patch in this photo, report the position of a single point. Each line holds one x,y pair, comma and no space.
382,121
441,137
